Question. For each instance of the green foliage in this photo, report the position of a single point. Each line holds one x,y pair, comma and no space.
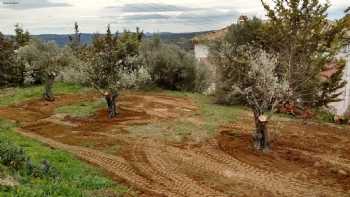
41,59
22,37
301,34
11,71
11,155
52,172
83,109
173,68
10,74
111,56
302,38
230,58
323,115
330,87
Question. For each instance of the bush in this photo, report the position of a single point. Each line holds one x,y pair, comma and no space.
44,170
325,115
172,67
74,74
15,158
11,155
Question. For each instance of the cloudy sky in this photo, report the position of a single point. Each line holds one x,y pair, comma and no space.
58,16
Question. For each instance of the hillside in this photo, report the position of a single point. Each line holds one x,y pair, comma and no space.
181,39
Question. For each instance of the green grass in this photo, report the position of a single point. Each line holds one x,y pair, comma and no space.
211,116
16,95
83,109
76,178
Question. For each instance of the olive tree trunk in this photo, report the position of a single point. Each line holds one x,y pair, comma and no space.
261,136
111,99
48,94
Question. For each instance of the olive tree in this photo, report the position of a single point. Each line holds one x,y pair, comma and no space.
258,86
112,64
264,92
43,61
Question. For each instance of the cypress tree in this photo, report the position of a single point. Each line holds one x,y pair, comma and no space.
7,62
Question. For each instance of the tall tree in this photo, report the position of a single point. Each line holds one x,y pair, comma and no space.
8,73
306,41
75,39
22,37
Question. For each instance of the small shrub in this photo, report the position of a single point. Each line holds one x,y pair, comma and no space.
11,155
44,170
324,115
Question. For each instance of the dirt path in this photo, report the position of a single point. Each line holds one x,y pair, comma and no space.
223,166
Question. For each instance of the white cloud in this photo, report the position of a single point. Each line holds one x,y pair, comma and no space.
58,16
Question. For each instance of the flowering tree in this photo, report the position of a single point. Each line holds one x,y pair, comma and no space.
264,93
43,61
253,74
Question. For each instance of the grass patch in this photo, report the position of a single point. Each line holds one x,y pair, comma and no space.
75,177
12,96
83,109
175,130
211,116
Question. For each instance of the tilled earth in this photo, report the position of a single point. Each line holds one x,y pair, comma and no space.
306,159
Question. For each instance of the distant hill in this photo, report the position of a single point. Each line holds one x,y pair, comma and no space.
62,39
181,39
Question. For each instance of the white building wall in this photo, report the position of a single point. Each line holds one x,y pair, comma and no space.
342,106
201,51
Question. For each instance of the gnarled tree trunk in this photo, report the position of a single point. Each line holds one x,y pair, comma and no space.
261,136
111,99
48,94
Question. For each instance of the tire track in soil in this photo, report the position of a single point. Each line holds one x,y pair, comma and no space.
156,165
274,182
154,170
112,164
